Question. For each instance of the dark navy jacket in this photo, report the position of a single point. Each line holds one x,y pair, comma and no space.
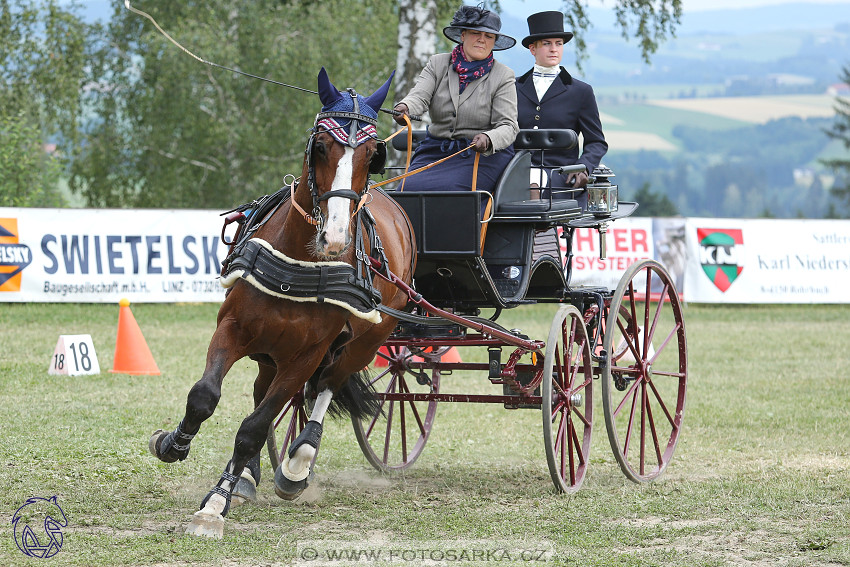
569,103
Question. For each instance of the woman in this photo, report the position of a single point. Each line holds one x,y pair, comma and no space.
471,99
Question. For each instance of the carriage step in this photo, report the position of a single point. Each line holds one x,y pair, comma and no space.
417,330
523,378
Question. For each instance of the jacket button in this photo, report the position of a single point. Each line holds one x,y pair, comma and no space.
451,129
537,117
536,127
538,108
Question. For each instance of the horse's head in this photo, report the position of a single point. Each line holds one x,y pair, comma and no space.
342,151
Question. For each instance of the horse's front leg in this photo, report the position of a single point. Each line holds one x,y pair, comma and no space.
209,520
171,446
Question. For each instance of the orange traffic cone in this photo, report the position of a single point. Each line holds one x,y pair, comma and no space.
132,355
380,361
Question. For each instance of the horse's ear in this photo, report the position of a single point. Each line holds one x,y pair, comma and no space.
328,93
376,99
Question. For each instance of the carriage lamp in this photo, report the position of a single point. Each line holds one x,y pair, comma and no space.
602,196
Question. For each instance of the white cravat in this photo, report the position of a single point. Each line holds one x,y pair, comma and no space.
543,78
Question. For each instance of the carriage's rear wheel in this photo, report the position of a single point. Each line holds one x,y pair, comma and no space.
286,428
567,405
645,380
394,438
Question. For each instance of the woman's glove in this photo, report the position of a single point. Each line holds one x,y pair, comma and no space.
401,108
482,142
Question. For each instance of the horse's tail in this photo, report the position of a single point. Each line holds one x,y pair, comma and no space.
356,398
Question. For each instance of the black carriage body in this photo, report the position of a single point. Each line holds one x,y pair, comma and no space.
521,260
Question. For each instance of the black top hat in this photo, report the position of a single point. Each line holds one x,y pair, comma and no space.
479,19
546,25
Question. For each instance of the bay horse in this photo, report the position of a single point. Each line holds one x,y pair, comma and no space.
327,334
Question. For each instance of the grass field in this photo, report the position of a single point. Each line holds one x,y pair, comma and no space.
761,475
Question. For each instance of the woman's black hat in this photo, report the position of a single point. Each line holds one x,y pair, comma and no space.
546,25
479,19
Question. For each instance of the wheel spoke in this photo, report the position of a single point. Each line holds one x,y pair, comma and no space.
413,409
559,436
569,450
631,422
643,429
389,432
630,392
654,433
661,348
656,318
581,417
577,443
661,403
628,338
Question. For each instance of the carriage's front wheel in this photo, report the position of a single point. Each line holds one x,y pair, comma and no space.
286,428
645,379
394,438
567,405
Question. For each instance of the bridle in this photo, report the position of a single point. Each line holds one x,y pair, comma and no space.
327,122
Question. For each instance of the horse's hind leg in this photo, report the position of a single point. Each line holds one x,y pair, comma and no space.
292,476
202,399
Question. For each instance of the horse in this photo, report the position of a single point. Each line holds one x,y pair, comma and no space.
326,335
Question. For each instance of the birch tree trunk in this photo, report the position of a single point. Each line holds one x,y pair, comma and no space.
417,41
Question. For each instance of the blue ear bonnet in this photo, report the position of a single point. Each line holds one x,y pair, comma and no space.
346,104
340,109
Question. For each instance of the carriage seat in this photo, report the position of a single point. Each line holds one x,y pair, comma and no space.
511,196
512,191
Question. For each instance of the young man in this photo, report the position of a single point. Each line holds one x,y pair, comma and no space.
549,97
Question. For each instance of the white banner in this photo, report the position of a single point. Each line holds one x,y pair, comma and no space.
101,256
767,261
84,255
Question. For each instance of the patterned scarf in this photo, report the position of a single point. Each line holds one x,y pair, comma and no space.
468,71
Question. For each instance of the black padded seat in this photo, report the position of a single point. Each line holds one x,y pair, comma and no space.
400,142
512,192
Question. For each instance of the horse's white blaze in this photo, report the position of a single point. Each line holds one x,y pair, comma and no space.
336,224
296,468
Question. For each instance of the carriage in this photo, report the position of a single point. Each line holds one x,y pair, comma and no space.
331,270
630,340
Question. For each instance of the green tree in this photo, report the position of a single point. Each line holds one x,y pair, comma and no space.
170,131
653,204
42,56
841,131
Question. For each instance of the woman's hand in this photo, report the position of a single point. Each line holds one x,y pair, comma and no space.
402,110
482,142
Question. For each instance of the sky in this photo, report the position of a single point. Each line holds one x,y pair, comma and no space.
525,7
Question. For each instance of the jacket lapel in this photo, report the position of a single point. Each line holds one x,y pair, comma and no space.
526,87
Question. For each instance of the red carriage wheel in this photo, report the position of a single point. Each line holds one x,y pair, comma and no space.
394,439
286,428
645,379
567,404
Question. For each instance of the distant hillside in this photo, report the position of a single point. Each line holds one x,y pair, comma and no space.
790,49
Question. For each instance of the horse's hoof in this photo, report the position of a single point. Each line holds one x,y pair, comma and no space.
206,525
245,490
156,442
289,489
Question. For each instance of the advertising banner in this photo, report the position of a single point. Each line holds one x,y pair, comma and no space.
767,261
87,255
94,256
